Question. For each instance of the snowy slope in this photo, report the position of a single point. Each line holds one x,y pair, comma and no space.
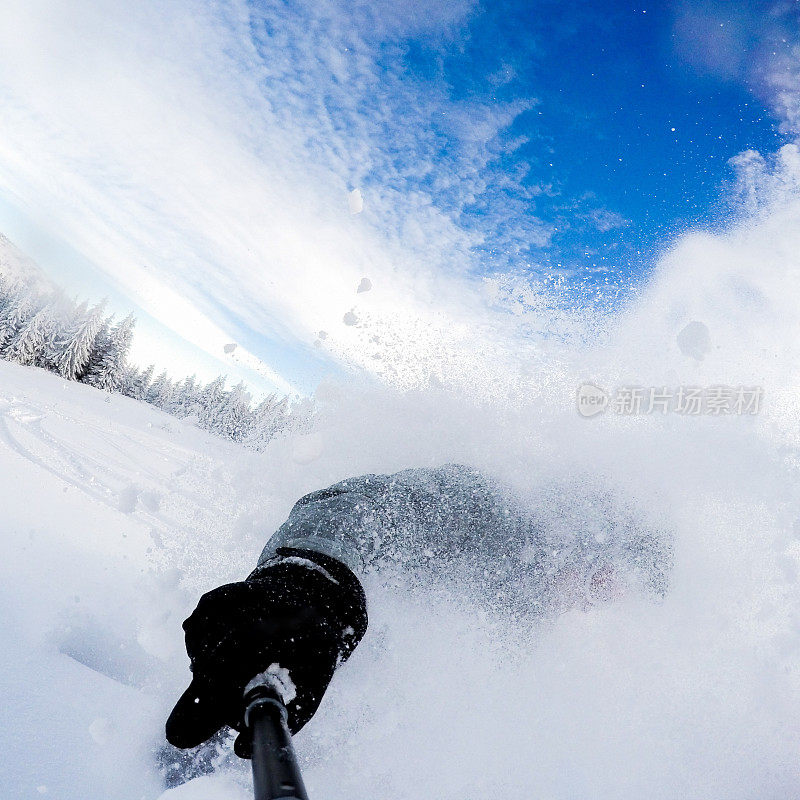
78,578
116,516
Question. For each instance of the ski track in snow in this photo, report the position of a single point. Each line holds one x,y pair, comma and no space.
111,457
98,610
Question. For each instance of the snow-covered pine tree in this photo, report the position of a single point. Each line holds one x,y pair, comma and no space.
269,418
130,374
10,287
62,309
74,349
110,354
22,308
210,399
100,358
138,382
187,399
29,345
161,391
6,292
233,416
6,330
123,337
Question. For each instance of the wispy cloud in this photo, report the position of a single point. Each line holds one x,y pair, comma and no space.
203,154
783,85
754,43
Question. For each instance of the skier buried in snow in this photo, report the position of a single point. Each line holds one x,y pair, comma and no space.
303,607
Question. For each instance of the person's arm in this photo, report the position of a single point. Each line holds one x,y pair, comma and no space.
407,516
558,551
303,608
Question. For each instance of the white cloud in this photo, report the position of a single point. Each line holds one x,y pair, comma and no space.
355,201
757,44
783,86
604,220
201,155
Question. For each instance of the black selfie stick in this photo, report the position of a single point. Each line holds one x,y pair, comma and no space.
276,775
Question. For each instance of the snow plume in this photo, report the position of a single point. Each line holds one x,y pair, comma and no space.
695,696
450,695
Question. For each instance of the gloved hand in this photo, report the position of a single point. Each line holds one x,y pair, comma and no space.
304,611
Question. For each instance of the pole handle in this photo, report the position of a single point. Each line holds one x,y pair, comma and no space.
276,774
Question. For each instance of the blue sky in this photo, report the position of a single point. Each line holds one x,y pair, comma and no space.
631,131
195,162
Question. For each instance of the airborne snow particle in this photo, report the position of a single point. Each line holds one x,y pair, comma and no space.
230,347
350,318
101,730
694,340
307,448
127,499
356,201
151,501
364,286
323,334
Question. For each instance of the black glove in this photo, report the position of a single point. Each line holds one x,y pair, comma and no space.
304,611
